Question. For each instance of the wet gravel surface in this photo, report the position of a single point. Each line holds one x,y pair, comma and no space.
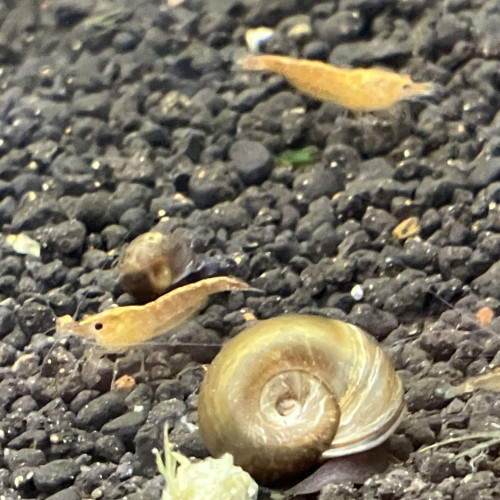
115,116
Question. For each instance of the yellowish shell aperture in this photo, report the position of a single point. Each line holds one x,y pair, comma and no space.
296,389
153,262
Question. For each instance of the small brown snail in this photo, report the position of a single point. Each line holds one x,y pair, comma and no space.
293,390
155,261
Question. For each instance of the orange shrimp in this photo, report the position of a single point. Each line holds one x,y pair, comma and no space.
358,89
131,325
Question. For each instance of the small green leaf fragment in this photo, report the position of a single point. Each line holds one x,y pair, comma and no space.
295,158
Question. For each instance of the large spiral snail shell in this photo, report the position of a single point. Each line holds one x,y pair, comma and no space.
293,390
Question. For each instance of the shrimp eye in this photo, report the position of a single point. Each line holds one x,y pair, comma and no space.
98,326
406,86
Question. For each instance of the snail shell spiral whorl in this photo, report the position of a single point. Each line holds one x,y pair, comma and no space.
294,389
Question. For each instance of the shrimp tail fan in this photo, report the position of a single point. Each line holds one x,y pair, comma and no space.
261,62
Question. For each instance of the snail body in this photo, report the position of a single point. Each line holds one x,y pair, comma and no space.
293,390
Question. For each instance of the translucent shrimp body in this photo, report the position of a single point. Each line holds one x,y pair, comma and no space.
357,89
132,325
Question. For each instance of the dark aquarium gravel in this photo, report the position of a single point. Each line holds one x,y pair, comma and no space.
118,117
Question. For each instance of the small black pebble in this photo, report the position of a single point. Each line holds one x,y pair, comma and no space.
251,160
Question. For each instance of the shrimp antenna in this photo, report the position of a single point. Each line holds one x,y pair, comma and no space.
463,313
63,337
56,343
51,330
101,268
